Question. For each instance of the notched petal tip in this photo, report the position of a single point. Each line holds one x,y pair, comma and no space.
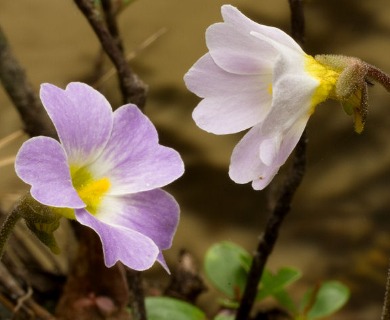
132,248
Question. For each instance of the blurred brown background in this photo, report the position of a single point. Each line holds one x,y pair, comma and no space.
339,225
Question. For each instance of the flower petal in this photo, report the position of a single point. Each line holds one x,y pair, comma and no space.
82,117
133,160
132,248
42,163
237,51
290,140
154,214
269,149
218,112
292,100
234,17
245,163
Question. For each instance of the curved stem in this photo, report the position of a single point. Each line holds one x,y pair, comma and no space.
379,76
7,228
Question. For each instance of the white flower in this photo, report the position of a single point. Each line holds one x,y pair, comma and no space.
257,77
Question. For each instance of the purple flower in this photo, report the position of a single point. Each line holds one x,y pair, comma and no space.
105,173
257,77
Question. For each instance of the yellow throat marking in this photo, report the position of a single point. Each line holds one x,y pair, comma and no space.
327,78
90,190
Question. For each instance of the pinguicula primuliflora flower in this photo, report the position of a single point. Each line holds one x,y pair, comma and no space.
257,77
106,172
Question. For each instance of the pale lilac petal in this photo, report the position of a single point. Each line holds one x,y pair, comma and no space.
219,112
269,149
245,163
133,160
292,100
234,17
206,79
161,260
82,117
42,163
290,140
132,248
153,213
237,51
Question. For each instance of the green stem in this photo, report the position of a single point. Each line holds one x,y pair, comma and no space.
7,228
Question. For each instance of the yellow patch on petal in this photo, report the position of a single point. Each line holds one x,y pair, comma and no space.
269,89
326,76
90,190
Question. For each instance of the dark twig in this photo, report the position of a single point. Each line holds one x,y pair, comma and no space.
386,303
297,21
110,16
14,79
283,205
133,89
138,301
185,283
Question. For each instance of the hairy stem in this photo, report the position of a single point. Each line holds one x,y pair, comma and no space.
7,228
379,76
133,89
283,204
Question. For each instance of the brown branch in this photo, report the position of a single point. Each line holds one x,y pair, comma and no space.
133,89
14,79
112,25
283,205
138,309
386,303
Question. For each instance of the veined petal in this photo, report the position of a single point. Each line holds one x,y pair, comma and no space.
132,248
207,79
153,213
234,17
292,100
245,163
82,117
42,163
258,157
133,160
269,149
290,140
233,102
237,51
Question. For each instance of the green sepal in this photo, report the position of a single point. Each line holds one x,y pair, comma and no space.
41,220
41,231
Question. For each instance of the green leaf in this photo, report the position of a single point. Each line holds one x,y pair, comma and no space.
226,267
285,301
330,297
163,308
273,283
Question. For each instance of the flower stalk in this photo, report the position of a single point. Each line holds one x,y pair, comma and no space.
7,227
